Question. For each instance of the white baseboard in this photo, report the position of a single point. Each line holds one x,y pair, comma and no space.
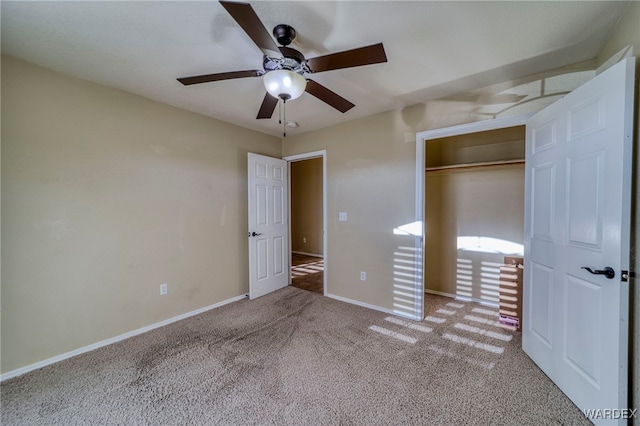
22,370
308,254
374,307
465,299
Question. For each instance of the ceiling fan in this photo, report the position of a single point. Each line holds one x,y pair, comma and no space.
284,67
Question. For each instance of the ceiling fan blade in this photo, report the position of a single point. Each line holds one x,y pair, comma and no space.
219,76
373,54
248,20
328,96
268,106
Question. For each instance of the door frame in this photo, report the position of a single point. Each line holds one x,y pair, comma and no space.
421,141
308,156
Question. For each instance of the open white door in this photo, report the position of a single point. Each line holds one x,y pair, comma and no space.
577,215
268,226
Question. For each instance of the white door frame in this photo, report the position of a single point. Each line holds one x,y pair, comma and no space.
308,156
421,140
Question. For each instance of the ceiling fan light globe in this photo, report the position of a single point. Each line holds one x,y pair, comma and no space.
284,84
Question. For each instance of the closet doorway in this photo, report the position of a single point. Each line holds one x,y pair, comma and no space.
307,217
474,212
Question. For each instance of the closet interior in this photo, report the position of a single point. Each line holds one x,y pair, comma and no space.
474,212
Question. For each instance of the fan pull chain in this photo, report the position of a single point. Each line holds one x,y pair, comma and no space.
279,113
284,118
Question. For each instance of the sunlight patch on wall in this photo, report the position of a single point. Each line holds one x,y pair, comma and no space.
406,295
481,282
489,245
464,282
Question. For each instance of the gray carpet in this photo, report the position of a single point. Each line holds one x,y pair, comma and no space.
292,358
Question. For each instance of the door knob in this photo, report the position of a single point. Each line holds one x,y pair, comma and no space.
254,234
607,271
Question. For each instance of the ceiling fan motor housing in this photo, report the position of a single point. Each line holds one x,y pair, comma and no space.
291,60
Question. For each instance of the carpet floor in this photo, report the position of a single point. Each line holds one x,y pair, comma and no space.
294,357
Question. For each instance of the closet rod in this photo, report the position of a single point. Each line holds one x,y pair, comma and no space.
474,165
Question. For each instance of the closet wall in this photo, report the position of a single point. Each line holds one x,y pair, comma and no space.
474,212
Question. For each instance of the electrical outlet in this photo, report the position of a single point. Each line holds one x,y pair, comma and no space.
342,216
164,288
363,276
304,240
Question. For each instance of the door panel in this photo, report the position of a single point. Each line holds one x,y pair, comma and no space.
541,310
261,205
278,205
543,193
583,299
584,213
586,118
577,214
278,256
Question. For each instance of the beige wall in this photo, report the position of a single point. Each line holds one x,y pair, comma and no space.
306,206
106,195
628,34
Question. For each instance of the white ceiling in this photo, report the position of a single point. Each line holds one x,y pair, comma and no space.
434,49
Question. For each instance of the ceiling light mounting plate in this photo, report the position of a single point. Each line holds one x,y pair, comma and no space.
285,34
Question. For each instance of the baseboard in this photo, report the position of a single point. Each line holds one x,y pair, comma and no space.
308,254
374,307
466,299
22,370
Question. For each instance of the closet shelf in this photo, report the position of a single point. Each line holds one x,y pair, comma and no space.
473,165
